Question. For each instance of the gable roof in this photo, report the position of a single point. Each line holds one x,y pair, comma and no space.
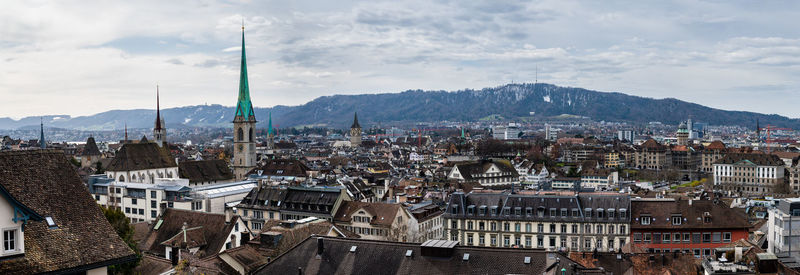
45,182
212,228
758,159
141,156
380,213
205,170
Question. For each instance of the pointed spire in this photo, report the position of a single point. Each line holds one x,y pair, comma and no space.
42,143
244,107
269,126
355,121
158,111
126,131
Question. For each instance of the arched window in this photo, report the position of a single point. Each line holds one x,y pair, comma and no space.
133,178
121,178
252,136
240,134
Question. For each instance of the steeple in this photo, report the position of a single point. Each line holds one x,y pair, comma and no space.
244,108
355,121
158,111
42,143
126,132
159,132
269,126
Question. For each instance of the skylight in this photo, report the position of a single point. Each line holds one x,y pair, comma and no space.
50,221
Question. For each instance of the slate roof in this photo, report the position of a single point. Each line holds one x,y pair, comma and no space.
382,214
758,159
213,227
382,257
141,156
311,200
205,170
661,211
90,149
45,182
282,167
467,169
266,198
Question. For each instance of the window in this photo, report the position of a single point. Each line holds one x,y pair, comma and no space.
480,226
587,229
706,237
469,239
127,210
153,194
716,237
552,241
482,210
563,212
10,240
153,204
687,238
540,228
50,222
454,225
667,238
506,241
493,239
481,240
574,229
552,228
493,226
563,228
647,237
153,214
540,241
469,225
575,213
645,220
528,227
676,220
637,237
141,212
528,211
588,212
552,212
623,213
506,211
517,227
506,227
517,211
528,242
623,230
697,238
611,229
726,237
599,229
134,201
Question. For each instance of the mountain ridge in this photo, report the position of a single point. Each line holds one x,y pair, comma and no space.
510,101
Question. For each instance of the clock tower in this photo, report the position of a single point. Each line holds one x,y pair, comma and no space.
244,126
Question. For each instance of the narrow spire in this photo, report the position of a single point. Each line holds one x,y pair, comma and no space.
355,121
42,144
269,126
158,110
244,107
126,131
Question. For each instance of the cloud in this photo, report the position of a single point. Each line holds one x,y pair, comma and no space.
111,54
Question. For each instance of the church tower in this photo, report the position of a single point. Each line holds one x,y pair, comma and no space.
270,134
355,132
159,132
683,134
244,125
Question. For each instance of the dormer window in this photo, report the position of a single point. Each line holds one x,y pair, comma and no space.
482,210
676,220
455,209
552,212
645,220
506,211
471,209
518,211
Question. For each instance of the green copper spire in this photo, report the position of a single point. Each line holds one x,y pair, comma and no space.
244,107
269,127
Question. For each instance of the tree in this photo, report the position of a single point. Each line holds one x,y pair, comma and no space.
125,230
99,167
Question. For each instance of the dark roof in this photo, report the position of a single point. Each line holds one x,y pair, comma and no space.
467,169
282,167
501,200
358,189
757,159
45,182
212,227
311,200
382,257
90,149
267,198
662,211
141,156
381,213
205,170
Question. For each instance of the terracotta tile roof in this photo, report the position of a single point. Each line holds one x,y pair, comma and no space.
381,213
45,182
141,156
716,145
661,211
205,170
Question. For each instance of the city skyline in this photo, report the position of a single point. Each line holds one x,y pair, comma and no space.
112,55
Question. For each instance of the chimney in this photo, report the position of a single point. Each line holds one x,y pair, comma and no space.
270,239
690,202
228,216
320,247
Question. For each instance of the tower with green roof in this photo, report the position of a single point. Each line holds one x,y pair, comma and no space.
244,125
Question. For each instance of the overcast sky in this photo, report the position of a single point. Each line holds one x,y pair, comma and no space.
84,57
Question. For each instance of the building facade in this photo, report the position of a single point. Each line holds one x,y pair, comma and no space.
574,223
754,174
696,227
355,132
485,172
784,227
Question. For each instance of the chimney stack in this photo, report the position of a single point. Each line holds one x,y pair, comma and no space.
320,246
690,202
228,216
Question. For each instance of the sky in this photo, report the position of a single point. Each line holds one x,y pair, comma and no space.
85,57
